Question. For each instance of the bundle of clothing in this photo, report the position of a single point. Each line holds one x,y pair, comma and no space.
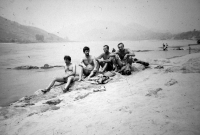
102,78
126,69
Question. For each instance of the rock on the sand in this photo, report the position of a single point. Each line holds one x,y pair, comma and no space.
171,82
53,101
81,96
153,92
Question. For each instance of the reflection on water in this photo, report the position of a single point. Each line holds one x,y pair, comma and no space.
15,84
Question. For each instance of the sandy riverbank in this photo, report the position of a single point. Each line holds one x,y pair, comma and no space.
154,101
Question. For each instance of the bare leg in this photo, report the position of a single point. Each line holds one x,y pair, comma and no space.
70,79
129,60
118,62
52,83
81,75
92,73
114,64
105,67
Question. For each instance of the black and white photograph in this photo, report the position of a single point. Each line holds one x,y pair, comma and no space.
99,67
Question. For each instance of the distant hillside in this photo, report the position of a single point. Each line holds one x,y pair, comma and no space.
14,32
195,34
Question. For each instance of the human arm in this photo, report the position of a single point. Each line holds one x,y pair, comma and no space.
104,59
129,53
82,64
107,60
99,58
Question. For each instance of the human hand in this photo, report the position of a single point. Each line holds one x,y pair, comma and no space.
125,57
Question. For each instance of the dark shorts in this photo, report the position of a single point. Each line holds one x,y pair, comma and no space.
110,67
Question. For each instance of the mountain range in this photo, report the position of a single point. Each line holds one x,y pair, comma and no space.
11,31
103,30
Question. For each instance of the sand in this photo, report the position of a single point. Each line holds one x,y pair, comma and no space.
152,101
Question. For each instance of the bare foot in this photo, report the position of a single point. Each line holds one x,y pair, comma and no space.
45,90
65,90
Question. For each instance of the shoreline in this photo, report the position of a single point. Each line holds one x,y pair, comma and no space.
33,68
160,99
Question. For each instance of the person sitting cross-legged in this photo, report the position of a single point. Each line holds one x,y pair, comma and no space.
105,61
123,57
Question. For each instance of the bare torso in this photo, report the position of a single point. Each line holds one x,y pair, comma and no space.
69,68
88,61
106,56
122,53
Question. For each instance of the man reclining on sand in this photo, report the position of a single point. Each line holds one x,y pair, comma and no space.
108,63
123,57
89,65
70,71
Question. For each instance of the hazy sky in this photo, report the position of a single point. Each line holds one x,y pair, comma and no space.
53,15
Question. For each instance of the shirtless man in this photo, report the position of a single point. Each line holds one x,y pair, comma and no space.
108,63
89,65
70,71
123,56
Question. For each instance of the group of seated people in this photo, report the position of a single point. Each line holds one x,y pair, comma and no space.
116,61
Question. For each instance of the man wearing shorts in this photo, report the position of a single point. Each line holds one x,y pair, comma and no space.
70,71
89,65
107,63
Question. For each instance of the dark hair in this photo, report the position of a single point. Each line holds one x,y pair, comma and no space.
66,57
86,48
106,46
120,44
